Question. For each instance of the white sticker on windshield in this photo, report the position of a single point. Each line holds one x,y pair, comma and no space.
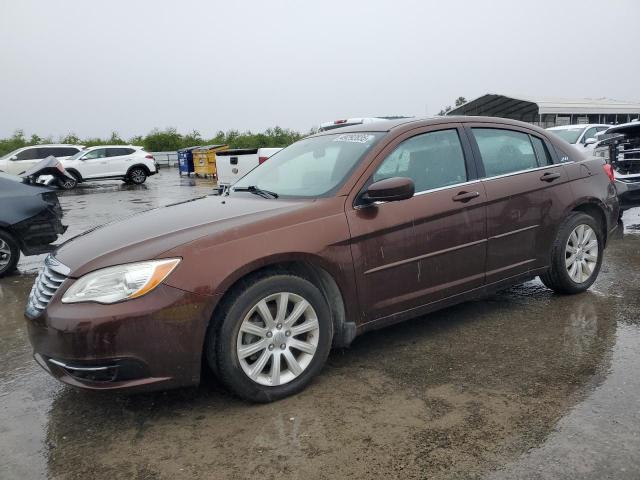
354,138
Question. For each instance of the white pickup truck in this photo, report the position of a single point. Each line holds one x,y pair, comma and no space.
232,165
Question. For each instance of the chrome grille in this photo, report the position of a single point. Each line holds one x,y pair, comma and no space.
46,285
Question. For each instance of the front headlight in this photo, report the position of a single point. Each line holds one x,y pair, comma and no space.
123,282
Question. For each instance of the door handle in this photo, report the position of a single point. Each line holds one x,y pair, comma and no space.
549,177
465,196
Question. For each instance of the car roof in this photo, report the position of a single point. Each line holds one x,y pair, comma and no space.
411,123
578,125
54,145
113,146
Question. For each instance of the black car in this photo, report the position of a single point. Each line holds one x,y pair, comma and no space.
30,219
621,149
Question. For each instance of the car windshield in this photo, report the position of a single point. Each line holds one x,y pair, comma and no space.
10,154
312,167
571,135
77,155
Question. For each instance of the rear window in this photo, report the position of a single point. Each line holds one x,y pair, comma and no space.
541,151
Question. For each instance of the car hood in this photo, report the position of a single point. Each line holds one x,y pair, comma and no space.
149,234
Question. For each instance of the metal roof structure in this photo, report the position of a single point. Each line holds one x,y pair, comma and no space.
521,107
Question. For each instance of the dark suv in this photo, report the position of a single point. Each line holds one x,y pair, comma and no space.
340,233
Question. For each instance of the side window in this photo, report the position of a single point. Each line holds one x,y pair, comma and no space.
29,154
504,151
431,160
591,133
47,152
116,152
541,151
66,151
93,154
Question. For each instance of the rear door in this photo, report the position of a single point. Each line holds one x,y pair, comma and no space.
526,197
119,159
417,251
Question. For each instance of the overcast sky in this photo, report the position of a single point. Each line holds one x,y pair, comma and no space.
92,67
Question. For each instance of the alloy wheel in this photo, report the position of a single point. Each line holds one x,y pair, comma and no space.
581,253
5,254
137,176
278,339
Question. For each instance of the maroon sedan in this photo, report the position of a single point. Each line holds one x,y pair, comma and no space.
340,233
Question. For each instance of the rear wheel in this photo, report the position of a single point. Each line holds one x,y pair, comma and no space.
137,176
274,338
576,255
9,253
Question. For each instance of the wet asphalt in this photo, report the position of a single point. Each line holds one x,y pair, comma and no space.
524,384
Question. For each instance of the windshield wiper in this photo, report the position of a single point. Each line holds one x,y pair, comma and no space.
257,191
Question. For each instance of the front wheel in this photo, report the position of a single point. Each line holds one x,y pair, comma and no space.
274,338
137,176
9,253
576,255
68,183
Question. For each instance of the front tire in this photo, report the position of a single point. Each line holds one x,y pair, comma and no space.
576,255
275,336
68,183
137,175
9,253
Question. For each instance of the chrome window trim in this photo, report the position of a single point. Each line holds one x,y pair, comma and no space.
471,182
528,170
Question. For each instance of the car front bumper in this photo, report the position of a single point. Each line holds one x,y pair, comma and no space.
149,343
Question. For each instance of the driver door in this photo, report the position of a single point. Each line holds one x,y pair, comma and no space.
414,252
94,163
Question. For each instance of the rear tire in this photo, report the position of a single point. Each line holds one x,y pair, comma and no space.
137,175
275,336
576,255
9,253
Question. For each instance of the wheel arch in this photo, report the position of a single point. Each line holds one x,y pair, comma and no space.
75,173
597,210
140,165
305,266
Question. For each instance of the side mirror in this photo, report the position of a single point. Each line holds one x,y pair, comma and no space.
590,141
14,158
389,190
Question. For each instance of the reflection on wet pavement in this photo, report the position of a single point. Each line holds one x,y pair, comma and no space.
525,384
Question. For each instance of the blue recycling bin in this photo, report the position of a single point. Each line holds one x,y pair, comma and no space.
185,160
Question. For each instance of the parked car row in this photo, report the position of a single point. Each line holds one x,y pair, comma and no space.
128,163
342,232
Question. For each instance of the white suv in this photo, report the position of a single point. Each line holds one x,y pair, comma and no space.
22,159
110,162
